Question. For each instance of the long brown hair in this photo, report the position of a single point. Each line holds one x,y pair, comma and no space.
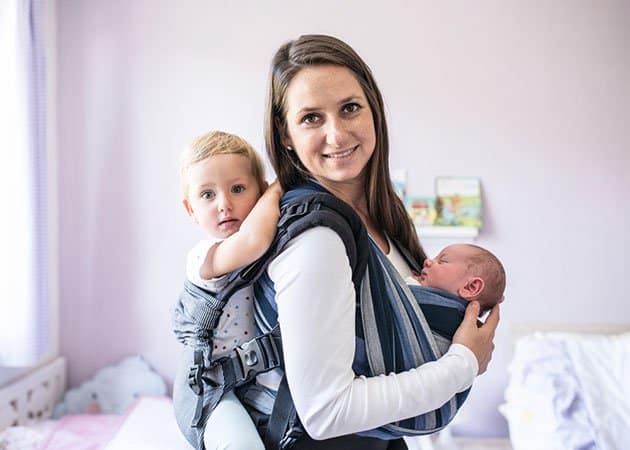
384,206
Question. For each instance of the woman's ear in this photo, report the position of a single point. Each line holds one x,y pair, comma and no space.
282,131
473,287
189,210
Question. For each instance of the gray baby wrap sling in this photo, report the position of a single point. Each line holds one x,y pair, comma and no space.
398,327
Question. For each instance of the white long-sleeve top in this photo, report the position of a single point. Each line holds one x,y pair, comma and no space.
316,311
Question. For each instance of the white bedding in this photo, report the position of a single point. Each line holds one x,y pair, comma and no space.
150,425
25,437
568,391
602,368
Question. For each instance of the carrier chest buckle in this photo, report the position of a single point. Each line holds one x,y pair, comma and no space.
251,359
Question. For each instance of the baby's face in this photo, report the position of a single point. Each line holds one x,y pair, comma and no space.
222,191
448,270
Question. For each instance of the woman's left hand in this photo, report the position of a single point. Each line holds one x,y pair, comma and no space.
478,336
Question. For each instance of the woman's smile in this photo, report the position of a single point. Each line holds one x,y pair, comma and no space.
342,155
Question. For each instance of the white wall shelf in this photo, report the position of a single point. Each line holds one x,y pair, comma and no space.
433,239
447,232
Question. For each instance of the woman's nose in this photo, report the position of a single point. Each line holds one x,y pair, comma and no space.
336,133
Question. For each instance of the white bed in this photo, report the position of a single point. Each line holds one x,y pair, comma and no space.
568,387
26,403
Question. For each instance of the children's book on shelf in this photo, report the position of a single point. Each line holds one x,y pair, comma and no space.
421,210
399,180
458,201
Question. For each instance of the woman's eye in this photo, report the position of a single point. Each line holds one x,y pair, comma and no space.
237,189
351,107
207,195
310,118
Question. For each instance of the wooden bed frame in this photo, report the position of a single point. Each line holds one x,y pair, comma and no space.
32,397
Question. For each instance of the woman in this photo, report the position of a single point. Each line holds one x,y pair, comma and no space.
325,121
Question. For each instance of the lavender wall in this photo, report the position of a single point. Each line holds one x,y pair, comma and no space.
531,97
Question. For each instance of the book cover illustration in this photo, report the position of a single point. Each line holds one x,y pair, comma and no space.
399,181
421,210
458,201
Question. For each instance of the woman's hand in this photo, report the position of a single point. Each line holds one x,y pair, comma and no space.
478,336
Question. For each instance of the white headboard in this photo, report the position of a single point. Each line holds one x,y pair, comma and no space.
33,397
524,328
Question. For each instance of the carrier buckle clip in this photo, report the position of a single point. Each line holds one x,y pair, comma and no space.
290,437
194,378
252,360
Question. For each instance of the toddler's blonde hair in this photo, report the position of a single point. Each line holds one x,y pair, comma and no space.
219,143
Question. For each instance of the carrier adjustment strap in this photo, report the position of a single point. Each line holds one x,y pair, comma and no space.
240,366
284,427
195,381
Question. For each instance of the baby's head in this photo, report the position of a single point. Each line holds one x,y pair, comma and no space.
468,271
222,177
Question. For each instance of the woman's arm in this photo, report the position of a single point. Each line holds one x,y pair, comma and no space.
250,242
316,306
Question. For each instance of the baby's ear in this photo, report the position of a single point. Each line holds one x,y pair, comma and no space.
189,210
473,287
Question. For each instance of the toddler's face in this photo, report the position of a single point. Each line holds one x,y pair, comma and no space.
221,193
448,270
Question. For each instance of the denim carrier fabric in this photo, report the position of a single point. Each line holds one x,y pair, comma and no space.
394,327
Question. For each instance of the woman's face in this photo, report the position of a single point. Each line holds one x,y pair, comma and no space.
329,124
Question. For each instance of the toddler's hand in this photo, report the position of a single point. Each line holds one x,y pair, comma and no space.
275,188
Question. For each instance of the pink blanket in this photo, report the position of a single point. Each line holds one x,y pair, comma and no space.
82,432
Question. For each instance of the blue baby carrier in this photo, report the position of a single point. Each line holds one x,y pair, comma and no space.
398,327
